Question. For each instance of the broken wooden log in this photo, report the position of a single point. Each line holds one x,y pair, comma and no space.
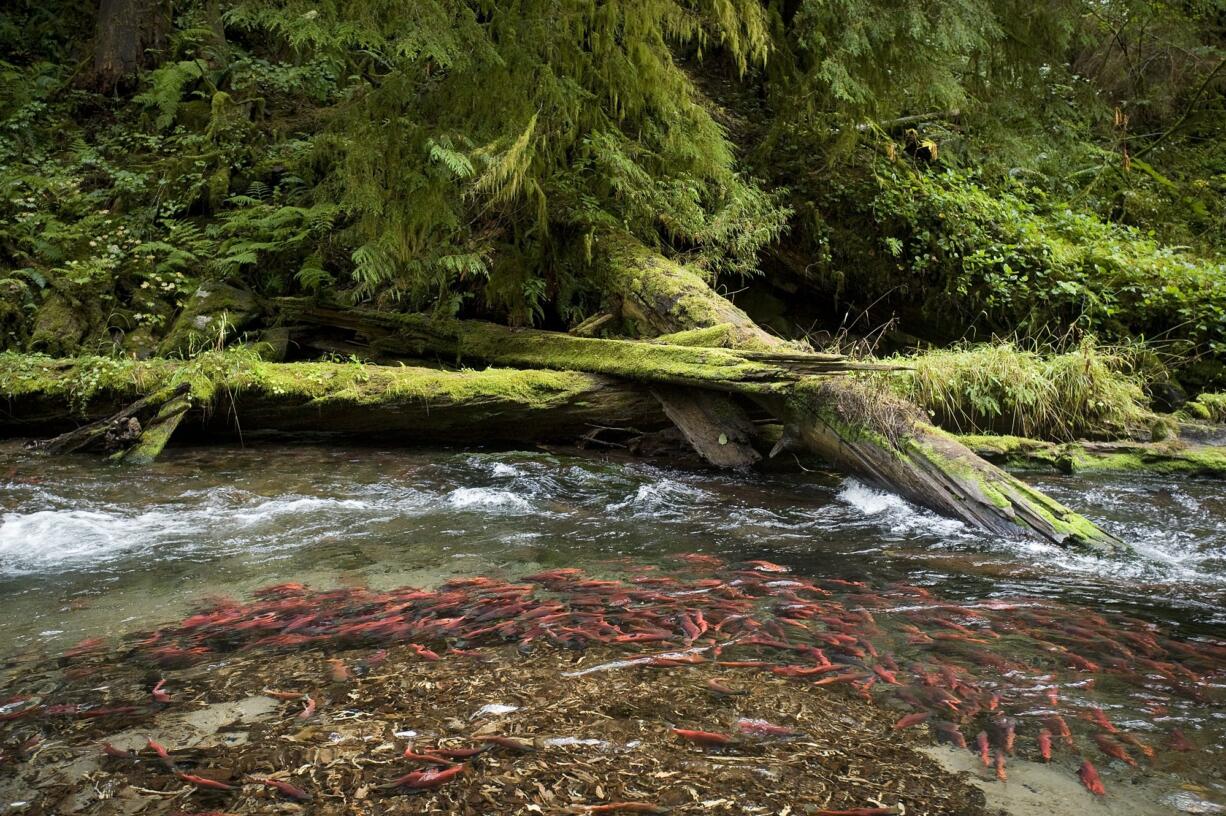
859,429
142,426
458,342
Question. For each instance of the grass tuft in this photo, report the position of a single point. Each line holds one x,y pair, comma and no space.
1091,391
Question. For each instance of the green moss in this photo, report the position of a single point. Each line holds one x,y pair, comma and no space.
211,316
59,327
1213,405
1163,458
467,340
358,384
677,297
80,380
1010,494
1198,410
712,337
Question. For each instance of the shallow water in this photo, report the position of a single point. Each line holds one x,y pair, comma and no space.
87,549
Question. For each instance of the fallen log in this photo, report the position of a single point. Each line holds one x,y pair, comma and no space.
860,430
120,428
233,391
457,342
1101,457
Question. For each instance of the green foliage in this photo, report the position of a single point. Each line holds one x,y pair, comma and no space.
1087,392
471,155
1027,265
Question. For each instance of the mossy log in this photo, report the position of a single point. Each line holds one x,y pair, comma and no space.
860,430
1169,457
457,342
231,393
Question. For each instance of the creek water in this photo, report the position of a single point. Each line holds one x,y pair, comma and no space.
90,550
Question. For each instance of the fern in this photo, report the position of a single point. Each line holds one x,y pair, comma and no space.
167,86
312,276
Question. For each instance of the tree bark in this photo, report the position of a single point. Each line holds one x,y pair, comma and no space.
740,371
392,404
123,31
861,430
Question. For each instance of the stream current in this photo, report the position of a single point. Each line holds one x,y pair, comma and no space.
89,550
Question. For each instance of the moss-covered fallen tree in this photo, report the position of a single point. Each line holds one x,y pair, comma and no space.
235,392
1171,457
859,428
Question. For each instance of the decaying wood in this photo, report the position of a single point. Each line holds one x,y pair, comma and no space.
747,371
862,431
715,426
122,428
397,404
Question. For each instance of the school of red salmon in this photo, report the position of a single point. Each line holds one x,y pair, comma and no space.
1011,674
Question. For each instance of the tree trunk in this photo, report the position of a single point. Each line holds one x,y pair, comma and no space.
861,430
124,30
740,371
391,404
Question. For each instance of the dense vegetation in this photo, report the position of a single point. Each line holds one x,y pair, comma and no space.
1042,171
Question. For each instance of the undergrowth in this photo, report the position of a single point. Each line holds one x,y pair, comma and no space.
1090,391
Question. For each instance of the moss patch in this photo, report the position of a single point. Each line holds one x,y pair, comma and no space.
1163,458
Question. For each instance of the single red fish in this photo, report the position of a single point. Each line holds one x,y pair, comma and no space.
112,751
886,675
423,652
1001,774
910,720
1145,748
985,749
951,731
283,695
767,566
719,690
1057,724
1178,742
1080,663
507,742
1097,717
1113,749
1045,744
435,759
201,782
308,710
158,694
1088,775
421,780
703,737
1008,729
160,749
286,788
